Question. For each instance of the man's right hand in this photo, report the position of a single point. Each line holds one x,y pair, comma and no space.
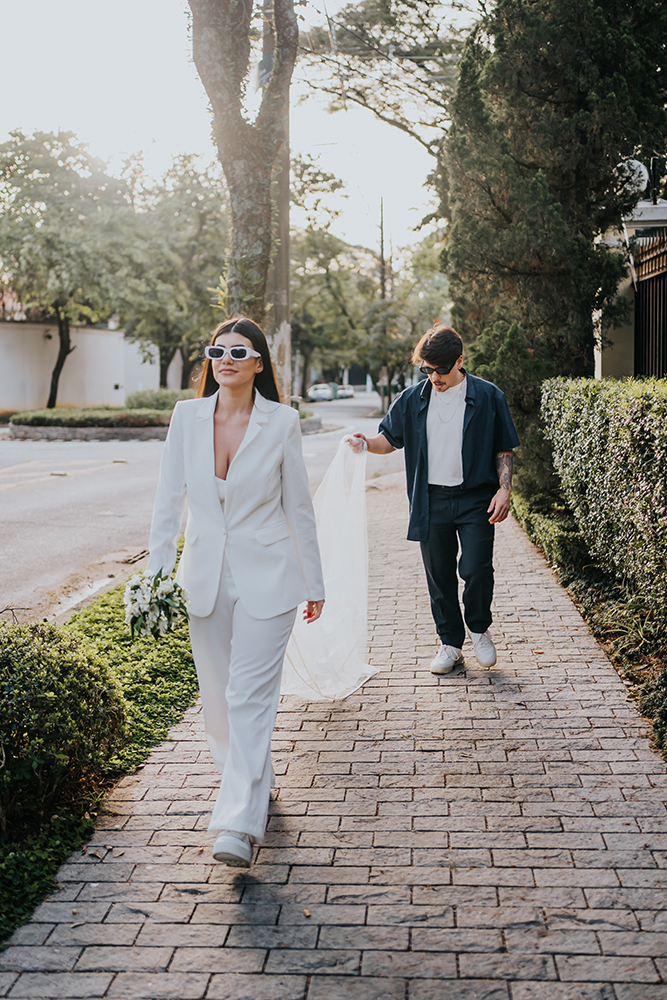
377,445
358,443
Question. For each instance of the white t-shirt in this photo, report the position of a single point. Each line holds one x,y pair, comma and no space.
444,435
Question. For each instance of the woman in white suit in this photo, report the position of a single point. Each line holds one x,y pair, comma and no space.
250,557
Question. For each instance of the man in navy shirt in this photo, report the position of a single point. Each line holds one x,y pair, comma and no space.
458,437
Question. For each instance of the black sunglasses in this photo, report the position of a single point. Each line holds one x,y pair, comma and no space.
425,370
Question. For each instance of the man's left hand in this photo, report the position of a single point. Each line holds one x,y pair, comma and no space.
499,507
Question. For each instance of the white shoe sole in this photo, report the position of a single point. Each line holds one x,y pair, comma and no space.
233,860
440,671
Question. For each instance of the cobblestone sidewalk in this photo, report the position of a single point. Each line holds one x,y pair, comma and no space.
493,834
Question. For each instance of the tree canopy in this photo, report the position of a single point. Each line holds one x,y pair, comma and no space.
552,95
178,238
59,210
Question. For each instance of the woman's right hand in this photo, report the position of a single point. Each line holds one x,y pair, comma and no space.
358,442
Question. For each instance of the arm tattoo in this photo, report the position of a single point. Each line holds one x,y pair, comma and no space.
504,463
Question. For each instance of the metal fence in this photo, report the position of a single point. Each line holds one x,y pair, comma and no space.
650,260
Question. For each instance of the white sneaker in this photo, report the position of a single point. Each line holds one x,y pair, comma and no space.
483,647
233,849
446,659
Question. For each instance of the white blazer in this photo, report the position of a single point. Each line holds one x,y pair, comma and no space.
267,530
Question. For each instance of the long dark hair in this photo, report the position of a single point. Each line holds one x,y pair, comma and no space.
265,381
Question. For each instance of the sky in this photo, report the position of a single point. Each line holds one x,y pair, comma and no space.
121,76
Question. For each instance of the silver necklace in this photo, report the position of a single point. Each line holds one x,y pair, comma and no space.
453,403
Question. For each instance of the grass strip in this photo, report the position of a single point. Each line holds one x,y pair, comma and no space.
159,683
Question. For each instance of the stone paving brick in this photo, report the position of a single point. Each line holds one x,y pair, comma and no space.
627,991
474,989
232,986
494,834
6,981
57,985
562,991
607,969
38,958
366,988
158,986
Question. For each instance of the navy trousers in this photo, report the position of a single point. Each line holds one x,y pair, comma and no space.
459,519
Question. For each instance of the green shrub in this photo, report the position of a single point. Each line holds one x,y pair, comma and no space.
157,399
155,681
61,716
69,416
556,533
610,449
157,677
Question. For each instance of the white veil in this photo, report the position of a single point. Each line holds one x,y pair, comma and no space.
325,660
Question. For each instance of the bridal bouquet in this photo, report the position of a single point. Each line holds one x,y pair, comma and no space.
153,604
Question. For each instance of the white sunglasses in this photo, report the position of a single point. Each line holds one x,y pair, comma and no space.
215,352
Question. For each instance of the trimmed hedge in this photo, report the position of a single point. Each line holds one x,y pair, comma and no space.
61,716
69,416
157,399
610,450
556,534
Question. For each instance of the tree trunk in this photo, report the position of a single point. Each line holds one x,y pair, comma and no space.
64,348
167,352
247,152
305,374
188,364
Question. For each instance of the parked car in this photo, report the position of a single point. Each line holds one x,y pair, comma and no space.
345,392
319,392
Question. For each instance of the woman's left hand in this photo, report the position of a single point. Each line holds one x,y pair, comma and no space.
312,611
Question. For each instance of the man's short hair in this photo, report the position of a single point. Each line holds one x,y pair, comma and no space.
440,347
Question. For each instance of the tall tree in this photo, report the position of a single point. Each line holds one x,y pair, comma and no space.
398,59
180,233
552,95
56,206
223,32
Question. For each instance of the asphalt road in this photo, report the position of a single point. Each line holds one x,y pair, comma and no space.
73,512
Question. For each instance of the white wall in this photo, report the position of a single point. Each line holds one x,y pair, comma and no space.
102,369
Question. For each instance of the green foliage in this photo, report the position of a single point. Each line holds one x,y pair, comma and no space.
633,633
177,239
652,702
556,534
154,682
61,715
157,677
552,95
157,399
70,416
27,865
398,60
609,441
62,231
345,310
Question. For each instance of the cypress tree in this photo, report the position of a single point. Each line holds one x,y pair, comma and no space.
552,95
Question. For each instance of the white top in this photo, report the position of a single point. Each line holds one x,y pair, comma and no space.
444,435
222,490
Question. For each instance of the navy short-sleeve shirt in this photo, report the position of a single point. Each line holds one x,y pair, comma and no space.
487,429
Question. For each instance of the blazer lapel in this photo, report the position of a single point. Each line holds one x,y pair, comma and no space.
258,418
205,450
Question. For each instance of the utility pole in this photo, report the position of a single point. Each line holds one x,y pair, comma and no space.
383,266
278,317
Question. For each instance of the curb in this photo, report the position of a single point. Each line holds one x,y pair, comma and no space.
20,432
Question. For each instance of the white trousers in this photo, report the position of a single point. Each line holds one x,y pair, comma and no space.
239,663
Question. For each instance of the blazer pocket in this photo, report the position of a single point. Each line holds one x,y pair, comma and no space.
191,535
272,533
